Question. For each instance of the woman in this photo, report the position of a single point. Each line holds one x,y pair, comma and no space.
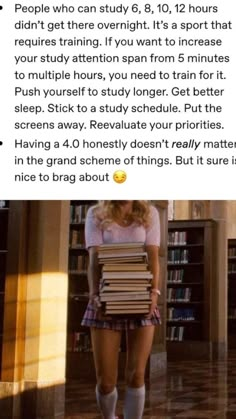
114,222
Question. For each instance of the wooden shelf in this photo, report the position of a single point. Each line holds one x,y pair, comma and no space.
231,291
185,302
184,284
79,297
185,264
78,247
196,276
78,273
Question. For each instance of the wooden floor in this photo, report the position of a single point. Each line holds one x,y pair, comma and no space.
190,390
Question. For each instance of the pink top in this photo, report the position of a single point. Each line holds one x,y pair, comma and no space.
114,233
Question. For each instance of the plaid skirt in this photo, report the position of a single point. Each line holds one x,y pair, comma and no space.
122,323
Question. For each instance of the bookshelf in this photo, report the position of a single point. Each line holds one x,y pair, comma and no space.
79,363
4,215
232,293
79,355
189,278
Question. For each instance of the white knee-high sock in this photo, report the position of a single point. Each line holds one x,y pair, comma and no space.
134,402
107,403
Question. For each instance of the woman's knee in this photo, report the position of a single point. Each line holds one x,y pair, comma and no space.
105,386
135,377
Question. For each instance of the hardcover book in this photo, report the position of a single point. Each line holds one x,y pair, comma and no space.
126,281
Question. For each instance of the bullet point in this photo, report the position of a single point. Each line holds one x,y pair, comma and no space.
1,7
1,143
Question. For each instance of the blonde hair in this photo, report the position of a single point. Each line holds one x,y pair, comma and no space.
107,211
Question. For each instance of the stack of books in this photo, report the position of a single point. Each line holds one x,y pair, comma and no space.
126,281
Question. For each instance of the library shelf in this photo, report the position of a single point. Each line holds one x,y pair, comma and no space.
190,275
232,293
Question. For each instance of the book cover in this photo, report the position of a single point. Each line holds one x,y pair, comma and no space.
127,311
128,267
124,288
124,274
125,296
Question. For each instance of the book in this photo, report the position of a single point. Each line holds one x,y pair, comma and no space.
131,303
127,275
125,267
127,311
122,257
124,288
124,296
128,307
125,259
78,213
122,281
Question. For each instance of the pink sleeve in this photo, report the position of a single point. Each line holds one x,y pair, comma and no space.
93,234
153,230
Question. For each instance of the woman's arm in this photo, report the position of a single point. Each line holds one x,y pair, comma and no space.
153,264
94,273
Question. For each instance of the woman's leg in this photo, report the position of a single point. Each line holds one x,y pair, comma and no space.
139,344
106,344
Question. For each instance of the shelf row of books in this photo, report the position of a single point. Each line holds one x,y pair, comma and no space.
126,281
76,238
175,333
232,252
179,294
232,268
78,213
232,293
178,256
179,314
175,275
177,238
78,262
79,342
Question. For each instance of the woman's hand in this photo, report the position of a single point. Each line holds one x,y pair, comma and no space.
96,303
153,305
94,300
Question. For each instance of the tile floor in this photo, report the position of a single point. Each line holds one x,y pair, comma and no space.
190,390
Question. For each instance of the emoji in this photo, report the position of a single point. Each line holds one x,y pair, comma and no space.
119,176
